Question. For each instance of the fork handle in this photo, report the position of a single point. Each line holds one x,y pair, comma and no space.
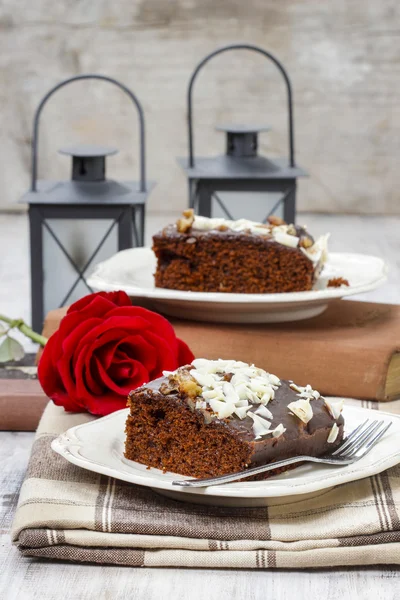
193,483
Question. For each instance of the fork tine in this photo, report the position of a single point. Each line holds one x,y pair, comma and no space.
375,439
362,440
350,438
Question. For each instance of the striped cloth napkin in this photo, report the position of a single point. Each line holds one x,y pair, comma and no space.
68,513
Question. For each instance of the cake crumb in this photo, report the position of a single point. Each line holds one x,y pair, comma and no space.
337,282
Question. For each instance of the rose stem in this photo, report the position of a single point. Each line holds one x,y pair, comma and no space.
25,329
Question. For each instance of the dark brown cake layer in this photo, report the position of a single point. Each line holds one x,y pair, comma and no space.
167,432
229,261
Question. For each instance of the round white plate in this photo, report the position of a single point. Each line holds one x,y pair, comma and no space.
98,446
132,271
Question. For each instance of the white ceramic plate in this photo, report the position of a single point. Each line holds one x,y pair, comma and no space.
98,446
132,271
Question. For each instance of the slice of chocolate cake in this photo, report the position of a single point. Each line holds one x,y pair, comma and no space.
217,255
211,418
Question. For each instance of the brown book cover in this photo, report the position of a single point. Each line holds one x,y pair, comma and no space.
22,400
352,349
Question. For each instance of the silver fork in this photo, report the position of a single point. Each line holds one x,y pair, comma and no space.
357,444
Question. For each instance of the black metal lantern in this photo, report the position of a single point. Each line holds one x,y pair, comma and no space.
73,222
216,181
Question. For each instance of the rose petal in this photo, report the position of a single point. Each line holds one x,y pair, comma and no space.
140,376
48,376
106,404
153,321
92,303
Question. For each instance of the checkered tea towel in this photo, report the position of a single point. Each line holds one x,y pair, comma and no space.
68,513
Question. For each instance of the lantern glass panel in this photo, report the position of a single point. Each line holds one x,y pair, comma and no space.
80,238
255,206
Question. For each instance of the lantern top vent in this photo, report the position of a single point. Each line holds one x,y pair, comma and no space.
88,161
241,140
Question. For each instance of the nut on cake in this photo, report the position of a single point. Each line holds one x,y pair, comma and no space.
214,417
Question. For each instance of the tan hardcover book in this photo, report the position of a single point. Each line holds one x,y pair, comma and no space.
352,349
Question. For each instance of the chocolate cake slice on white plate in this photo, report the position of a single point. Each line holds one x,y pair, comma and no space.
214,417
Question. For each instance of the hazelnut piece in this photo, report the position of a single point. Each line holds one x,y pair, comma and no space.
185,223
275,221
306,242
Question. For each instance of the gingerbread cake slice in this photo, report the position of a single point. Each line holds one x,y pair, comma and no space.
218,255
211,418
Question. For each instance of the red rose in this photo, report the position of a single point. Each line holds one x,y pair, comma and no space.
104,348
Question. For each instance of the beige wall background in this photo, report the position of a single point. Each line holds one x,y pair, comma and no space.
343,58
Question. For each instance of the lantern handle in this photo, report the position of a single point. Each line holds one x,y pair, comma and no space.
240,47
127,91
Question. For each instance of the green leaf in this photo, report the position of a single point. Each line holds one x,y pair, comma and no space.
11,349
2,329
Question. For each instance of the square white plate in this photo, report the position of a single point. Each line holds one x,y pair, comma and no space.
98,446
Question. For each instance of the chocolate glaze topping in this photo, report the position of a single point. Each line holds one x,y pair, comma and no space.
299,438
171,232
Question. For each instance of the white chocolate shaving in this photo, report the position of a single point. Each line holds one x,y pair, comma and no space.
260,425
285,239
204,379
263,411
333,434
283,234
232,387
318,252
241,411
230,393
201,404
213,394
222,409
335,408
295,387
302,409
247,383
305,392
260,230
278,431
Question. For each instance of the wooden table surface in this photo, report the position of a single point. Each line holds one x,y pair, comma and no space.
24,578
